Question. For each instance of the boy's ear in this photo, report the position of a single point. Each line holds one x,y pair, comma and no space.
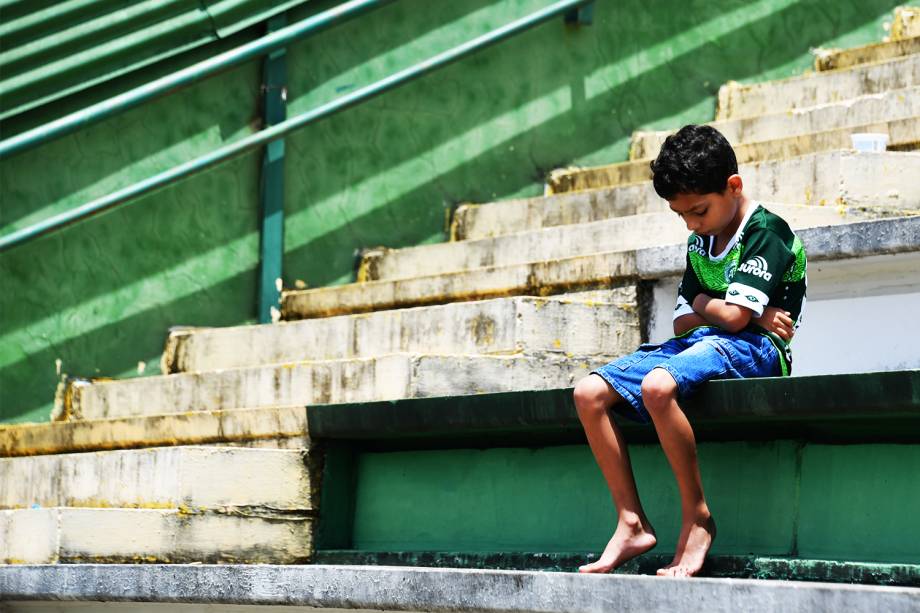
735,184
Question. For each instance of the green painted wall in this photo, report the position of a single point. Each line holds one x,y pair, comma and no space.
838,502
97,299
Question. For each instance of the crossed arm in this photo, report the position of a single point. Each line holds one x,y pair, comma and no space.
733,318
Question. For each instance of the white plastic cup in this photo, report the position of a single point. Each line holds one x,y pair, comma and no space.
870,141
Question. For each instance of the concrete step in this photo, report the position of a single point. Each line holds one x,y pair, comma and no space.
187,478
842,178
75,535
274,427
893,105
622,233
906,23
835,59
338,381
737,100
501,326
352,587
902,133
609,269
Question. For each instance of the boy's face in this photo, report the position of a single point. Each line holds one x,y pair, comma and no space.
708,214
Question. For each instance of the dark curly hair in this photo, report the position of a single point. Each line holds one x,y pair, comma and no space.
693,160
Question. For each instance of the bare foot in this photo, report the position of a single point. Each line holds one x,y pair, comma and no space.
629,540
695,540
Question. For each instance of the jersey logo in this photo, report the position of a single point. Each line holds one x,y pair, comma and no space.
698,246
756,266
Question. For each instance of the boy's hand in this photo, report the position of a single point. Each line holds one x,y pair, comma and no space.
777,321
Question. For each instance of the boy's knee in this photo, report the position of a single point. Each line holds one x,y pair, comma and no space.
658,388
591,393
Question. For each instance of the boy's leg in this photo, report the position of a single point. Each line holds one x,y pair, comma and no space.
698,529
634,534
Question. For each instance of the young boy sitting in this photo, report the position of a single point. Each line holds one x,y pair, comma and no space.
738,306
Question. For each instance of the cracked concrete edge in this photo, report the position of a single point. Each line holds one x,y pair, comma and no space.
434,589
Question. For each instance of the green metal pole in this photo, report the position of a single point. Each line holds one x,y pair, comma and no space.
186,76
271,246
295,123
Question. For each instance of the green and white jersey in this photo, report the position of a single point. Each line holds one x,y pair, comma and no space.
763,264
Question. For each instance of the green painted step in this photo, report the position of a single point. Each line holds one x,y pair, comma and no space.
736,567
854,406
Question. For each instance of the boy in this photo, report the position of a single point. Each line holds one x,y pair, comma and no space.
738,305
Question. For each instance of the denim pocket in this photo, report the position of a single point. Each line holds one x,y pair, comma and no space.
628,361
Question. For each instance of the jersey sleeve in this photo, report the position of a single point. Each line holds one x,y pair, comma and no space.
764,260
689,288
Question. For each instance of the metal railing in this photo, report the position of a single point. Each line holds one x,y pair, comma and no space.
267,135
186,76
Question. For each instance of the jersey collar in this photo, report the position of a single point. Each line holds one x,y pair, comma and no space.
747,216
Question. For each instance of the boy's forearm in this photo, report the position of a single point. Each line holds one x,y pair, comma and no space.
687,322
727,316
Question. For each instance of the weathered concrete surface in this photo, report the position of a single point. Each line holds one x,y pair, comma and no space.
902,133
620,233
28,537
884,107
362,380
157,535
737,100
857,239
502,326
834,59
906,22
841,177
433,589
274,426
159,478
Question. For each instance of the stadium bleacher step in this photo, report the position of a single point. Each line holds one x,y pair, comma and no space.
844,178
902,134
498,326
906,22
598,270
738,100
397,588
620,233
88,535
853,114
835,59
389,377
273,427
162,504
162,478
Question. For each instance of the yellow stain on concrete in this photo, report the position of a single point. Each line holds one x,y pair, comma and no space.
194,428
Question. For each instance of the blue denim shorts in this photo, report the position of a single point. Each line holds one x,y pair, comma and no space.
702,354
